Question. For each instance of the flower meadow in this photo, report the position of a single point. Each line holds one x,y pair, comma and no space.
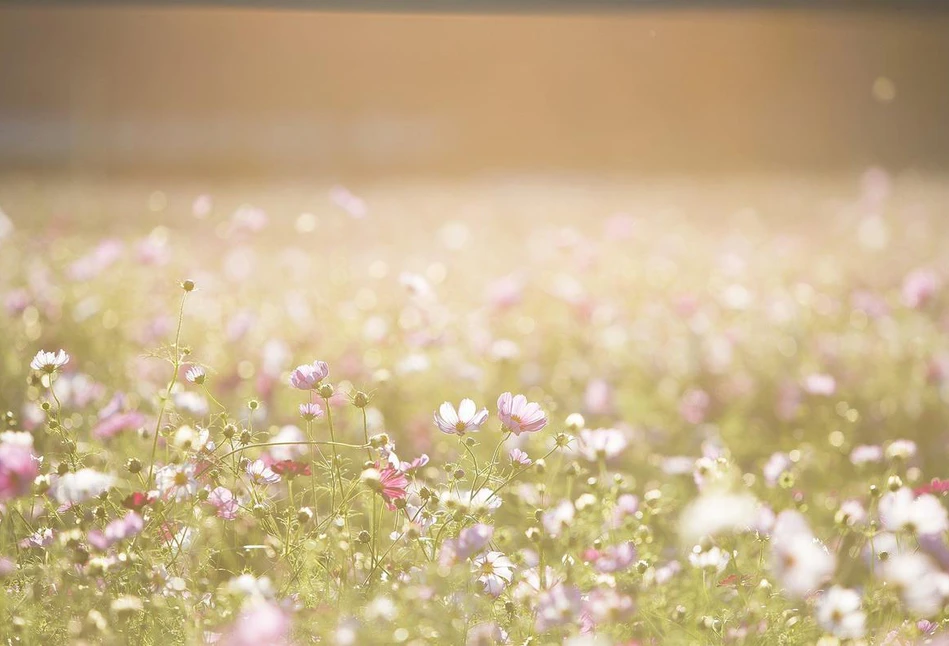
492,416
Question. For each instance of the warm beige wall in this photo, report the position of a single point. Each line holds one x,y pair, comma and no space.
276,92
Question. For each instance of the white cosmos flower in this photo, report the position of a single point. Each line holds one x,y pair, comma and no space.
601,443
923,586
716,513
74,488
899,510
839,613
714,558
495,571
558,518
176,481
798,559
49,362
466,419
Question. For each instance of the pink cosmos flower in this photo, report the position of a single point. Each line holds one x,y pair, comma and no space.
261,623
694,406
414,465
311,411
615,558
626,505
559,605
519,457
308,376
919,287
118,422
467,418
470,541
820,384
392,485
520,416
222,499
117,530
18,469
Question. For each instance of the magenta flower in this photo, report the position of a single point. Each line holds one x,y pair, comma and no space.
391,484
520,416
18,468
260,623
467,418
308,376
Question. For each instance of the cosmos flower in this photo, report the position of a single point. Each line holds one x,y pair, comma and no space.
309,376
195,375
78,487
558,518
820,384
900,510
923,587
18,468
467,419
614,558
49,362
470,541
518,416
260,474
557,606
116,531
310,411
291,468
799,561
176,481
388,482
259,623
495,571
919,286
519,457
224,501
839,613
601,443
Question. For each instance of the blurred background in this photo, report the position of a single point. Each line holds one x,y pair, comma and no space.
184,92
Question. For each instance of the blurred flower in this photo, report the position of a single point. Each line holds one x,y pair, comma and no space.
713,558
78,487
558,518
557,606
820,384
18,469
470,541
716,512
694,406
467,419
601,444
518,416
839,613
799,560
919,286
224,501
899,510
260,623
777,464
614,558
195,375
864,453
116,531
922,586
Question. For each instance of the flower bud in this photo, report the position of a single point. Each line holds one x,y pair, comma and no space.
188,285
304,515
325,391
360,399
134,465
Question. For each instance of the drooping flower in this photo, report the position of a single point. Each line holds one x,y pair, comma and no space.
518,416
495,571
291,468
308,376
49,362
196,375
467,418
839,613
